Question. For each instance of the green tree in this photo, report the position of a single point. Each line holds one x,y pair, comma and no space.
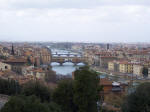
9,87
38,89
145,72
24,104
53,107
63,96
3,57
29,61
138,101
86,89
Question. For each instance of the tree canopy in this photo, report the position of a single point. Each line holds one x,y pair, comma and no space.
145,72
138,101
78,95
63,95
9,87
28,104
38,89
86,89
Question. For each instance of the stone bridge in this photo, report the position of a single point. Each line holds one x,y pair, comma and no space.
61,60
66,54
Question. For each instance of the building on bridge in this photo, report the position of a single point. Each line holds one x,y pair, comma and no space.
62,58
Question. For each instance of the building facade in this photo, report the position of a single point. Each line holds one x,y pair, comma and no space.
137,69
4,66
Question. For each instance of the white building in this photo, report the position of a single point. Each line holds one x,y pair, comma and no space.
4,66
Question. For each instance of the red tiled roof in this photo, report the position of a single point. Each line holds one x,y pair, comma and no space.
108,57
105,82
38,70
15,61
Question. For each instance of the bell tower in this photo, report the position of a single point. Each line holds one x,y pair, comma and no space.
12,50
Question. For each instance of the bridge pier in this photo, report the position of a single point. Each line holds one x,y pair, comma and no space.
61,64
75,64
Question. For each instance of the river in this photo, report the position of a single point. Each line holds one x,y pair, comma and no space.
68,67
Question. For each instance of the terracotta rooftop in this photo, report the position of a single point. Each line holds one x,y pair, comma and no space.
105,82
139,52
108,57
37,70
15,61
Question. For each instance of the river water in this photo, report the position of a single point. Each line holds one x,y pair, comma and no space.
68,67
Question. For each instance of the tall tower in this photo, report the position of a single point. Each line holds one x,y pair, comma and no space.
12,50
107,46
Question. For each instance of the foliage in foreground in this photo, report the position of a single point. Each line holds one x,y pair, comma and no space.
138,101
86,89
28,104
63,95
78,95
9,87
37,89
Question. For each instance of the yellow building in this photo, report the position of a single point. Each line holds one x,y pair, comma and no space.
123,67
111,65
129,68
137,69
126,67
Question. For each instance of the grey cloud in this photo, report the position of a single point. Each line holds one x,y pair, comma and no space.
75,20
69,3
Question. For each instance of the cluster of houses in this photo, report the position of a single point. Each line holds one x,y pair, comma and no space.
123,61
135,68
23,63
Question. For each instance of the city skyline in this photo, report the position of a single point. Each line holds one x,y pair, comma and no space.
75,20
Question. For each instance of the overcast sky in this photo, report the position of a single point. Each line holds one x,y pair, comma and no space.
75,20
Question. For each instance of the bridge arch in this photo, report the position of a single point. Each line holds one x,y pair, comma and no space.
67,57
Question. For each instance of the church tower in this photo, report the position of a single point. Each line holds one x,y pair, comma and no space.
108,46
12,50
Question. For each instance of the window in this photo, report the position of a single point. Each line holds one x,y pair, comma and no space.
6,67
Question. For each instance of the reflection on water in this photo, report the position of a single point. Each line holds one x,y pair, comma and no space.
66,68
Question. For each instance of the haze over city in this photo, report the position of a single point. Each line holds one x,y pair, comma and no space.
75,20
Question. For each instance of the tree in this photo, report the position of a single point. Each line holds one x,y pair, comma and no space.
63,96
24,104
29,104
138,101
86,89
53,107
9,87
29,60
145,72
37,89
3,57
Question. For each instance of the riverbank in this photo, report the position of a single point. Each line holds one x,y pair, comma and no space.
117,76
